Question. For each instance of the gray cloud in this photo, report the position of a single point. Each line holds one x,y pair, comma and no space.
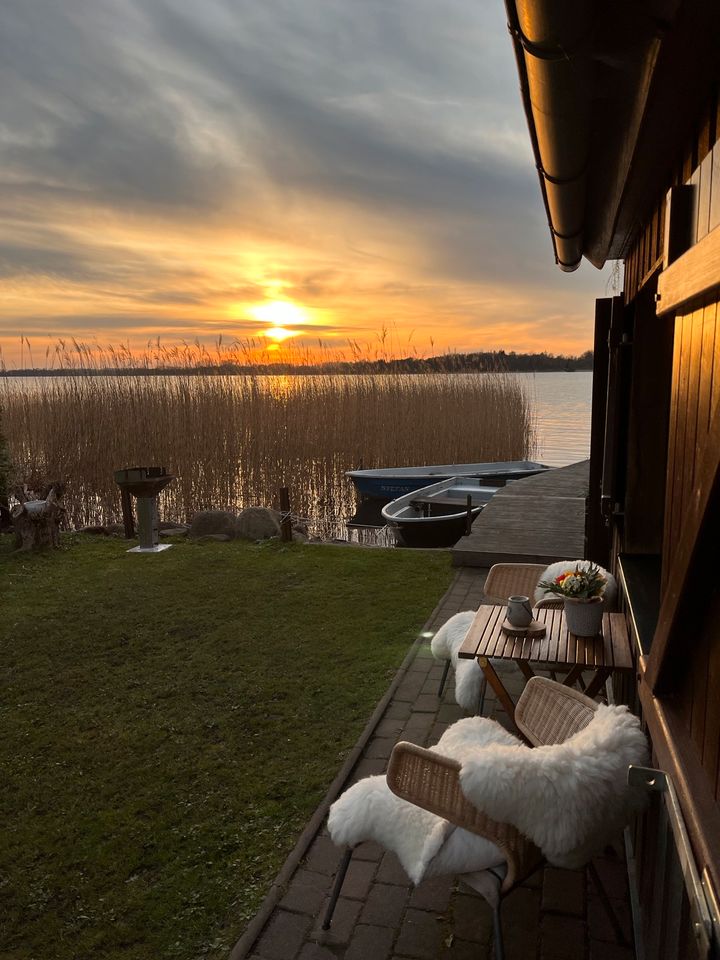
86,324
48,325
41,259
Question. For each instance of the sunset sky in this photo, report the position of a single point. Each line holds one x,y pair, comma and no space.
255,168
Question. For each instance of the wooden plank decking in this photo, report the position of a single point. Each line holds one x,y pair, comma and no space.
536,520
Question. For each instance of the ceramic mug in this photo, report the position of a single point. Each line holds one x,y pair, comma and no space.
519,611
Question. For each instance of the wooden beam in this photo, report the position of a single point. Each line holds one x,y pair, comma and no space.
682,599
648,417
597,530
678,757
613,410
695,273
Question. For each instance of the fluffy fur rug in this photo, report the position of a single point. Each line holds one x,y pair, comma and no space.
425,844
555,569
571,798
468,675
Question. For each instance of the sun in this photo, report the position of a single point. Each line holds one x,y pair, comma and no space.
278,334
279,312
281,315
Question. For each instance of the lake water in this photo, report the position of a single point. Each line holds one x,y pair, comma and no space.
562,403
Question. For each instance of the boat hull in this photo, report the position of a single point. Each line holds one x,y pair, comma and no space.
432,535
393,482
437,515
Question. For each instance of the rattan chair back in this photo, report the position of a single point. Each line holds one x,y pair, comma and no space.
549,712
511,580
431,781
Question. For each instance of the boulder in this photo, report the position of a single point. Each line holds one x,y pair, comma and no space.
257,523
209,537
173,531
213,523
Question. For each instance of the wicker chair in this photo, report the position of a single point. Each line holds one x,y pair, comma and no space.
506,580
547,713
515,579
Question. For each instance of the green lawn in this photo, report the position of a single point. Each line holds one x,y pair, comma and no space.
170,722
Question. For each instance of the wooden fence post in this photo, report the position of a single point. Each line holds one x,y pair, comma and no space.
286,521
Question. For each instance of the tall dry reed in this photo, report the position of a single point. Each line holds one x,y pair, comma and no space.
233,440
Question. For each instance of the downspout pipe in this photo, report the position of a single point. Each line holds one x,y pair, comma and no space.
553,44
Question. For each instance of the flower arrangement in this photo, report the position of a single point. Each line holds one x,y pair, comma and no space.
582,583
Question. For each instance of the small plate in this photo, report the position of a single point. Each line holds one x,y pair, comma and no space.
533,630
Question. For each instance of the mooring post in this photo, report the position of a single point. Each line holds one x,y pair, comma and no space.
468,519
127,513
286,521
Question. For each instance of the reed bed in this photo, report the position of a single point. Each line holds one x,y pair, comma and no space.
234,440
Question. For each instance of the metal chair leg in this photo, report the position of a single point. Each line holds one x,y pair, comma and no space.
481,699
444,678
497,933
339,879
607,906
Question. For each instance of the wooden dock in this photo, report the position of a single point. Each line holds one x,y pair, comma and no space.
536,520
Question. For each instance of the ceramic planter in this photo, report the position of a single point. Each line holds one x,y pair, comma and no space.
584,617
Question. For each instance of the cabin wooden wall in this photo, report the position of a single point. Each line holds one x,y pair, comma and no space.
688,350
695,382
676,365
698,701
646,256
699,164
694,402
695,408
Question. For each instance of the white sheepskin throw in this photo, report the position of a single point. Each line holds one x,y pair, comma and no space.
468,675
425,844
555,569
571,798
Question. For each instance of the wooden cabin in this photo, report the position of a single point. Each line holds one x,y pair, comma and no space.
624,117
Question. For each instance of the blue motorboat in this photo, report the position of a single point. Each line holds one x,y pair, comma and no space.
389,483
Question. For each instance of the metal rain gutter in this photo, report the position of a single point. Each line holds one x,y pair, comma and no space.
553,48
585,73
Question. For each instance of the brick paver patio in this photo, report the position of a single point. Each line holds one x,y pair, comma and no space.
555,915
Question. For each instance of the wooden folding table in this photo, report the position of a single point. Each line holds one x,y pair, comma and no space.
557,649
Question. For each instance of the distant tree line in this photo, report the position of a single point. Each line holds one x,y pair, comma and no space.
493,361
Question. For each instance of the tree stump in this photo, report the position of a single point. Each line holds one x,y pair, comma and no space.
37,522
